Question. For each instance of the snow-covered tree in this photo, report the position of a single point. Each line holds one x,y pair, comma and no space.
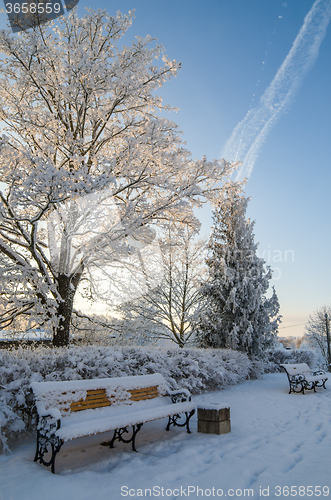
238,314
171,310
81,122
315,331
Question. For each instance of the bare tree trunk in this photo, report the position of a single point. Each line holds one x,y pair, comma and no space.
67,286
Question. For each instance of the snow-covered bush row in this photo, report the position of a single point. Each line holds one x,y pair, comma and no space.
197,370
280,356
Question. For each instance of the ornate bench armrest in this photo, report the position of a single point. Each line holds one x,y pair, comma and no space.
48,443
48,425
297,378
318,372
179,396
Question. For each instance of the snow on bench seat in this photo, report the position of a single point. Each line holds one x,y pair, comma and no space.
78,408
114,418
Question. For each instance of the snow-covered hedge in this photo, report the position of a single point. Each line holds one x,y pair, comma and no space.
280,356
197,370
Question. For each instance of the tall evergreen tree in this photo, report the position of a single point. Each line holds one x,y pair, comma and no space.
238,313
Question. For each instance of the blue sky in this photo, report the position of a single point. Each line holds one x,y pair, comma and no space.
230,52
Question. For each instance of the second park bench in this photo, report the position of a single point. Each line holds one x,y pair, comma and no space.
301,377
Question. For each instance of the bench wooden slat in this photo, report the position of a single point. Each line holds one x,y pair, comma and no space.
94,399
85,402
143,398
98,398
144,390
141,394
96,392
89,406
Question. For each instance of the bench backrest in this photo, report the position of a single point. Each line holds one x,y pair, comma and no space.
78,395
298,368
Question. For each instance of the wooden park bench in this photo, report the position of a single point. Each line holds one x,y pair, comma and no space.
78,408
301,377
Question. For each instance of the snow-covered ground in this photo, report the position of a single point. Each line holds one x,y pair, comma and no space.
278,441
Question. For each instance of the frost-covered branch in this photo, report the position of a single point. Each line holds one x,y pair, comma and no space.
171,310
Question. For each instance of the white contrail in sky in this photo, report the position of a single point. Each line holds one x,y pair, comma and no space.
249,135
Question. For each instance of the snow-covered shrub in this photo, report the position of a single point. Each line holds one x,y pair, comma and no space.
280,356
9,421
197,370
257,368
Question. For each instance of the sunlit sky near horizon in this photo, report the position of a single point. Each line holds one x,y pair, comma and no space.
230,52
